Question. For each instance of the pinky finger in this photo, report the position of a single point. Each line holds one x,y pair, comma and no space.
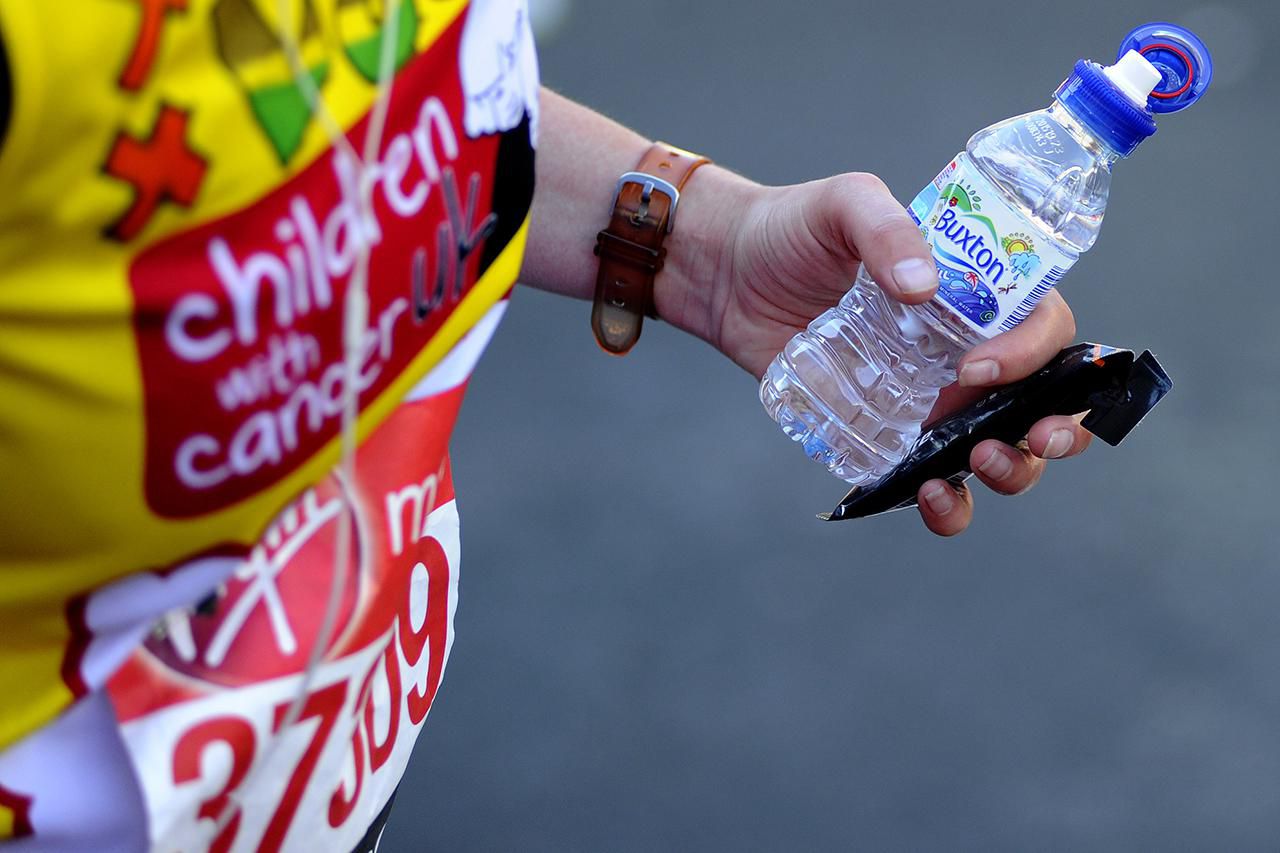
946,510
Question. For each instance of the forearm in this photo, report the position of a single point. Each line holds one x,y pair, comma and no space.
580,156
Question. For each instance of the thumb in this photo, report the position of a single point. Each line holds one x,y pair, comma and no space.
880,232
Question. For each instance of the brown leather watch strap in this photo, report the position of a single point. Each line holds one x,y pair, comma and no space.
630,249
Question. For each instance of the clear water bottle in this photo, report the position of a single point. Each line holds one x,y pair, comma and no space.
1005,219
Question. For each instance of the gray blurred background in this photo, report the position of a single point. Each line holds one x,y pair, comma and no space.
660,648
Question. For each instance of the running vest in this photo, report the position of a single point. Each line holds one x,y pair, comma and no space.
177,236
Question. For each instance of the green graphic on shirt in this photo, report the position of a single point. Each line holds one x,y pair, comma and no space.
360,28
254,55
283,112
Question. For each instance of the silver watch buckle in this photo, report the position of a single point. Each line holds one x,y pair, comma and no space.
648,184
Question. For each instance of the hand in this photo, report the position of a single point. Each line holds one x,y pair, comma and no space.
786,254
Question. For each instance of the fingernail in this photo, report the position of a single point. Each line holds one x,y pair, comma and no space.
939,499
1059,443
984,372
997,466
915,275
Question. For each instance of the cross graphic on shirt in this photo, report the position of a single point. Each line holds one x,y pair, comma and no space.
160,168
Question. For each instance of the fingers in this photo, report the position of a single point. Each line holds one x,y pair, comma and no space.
945,509
1013,470
1004,469
1022,350
1059,437
883,236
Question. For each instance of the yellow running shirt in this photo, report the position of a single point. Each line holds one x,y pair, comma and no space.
177,236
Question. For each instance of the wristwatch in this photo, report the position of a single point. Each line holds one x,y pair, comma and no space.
630,248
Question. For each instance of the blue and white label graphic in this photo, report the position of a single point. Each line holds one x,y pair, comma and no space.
993,267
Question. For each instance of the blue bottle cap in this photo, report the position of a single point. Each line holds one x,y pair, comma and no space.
1181,58
1108,113
1095,99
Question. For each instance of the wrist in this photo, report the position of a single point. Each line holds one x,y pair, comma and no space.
690,291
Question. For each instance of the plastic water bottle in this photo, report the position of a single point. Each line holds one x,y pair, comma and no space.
1005,219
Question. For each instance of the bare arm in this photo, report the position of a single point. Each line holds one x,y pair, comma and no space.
580,156
748,266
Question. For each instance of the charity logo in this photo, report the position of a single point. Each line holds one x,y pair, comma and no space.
249,39
242,355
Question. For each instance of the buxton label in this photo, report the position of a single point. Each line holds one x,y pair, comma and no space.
993,266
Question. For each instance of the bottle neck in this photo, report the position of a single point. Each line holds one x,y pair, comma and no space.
1081,134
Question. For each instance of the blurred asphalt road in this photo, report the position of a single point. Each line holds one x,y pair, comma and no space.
659,648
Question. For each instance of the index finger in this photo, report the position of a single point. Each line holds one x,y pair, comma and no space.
1022,350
